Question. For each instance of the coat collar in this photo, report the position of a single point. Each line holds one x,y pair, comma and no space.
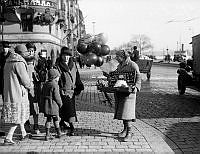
14,57
124,63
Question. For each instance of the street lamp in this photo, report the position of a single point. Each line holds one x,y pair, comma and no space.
93,28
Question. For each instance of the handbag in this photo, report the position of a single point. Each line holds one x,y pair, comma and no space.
78,84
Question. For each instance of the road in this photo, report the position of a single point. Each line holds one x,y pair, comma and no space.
176,117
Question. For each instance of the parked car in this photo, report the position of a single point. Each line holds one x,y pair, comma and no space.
189,71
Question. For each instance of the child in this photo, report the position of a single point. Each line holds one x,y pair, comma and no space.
52,102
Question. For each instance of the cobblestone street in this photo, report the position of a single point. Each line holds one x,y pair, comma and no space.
166,122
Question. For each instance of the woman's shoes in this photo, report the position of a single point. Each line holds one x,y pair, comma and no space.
8,142
23,138
71,133
64,127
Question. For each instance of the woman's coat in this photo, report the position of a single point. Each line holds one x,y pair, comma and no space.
125,105
67,84
16,85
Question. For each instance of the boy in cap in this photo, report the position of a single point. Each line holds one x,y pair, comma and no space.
51,102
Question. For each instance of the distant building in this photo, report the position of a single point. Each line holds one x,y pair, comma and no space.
182,55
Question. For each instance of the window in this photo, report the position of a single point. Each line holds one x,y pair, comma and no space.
27,22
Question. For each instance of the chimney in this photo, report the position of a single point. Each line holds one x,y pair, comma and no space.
182,47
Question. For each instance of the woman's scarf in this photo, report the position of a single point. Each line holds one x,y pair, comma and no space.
65,68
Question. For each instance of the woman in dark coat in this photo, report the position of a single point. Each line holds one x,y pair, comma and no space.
125,104
70,85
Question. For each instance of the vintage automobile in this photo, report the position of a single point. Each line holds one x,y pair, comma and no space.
189,72
145,66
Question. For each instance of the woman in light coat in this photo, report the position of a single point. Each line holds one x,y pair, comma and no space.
126,103
15,109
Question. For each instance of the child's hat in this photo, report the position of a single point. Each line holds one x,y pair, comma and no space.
53,73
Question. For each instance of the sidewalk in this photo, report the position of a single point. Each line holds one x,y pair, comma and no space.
95,131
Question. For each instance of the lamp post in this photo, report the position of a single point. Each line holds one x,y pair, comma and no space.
93,28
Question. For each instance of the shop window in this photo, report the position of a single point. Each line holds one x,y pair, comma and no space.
27,22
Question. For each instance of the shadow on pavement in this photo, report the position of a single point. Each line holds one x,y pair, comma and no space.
78,132
186,136
163,105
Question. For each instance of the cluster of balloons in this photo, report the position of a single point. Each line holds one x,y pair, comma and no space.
93,49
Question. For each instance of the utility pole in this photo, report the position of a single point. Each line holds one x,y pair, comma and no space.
72,20
93,28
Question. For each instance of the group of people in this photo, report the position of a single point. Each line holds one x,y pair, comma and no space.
26,92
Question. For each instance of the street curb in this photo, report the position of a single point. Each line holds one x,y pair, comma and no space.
157,141
166,64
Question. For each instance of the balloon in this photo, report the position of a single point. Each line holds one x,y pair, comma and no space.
96,48
82,48
90,48
105,50
91,58
99,61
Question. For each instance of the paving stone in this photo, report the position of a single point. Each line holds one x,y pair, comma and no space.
158,128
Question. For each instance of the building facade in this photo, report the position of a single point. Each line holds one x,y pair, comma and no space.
50,24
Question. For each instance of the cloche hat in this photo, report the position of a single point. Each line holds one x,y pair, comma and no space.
66,51
53,73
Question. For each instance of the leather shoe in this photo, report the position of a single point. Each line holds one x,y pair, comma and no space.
23,138
123,133
9,142
71,133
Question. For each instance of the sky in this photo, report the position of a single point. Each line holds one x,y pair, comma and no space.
168,23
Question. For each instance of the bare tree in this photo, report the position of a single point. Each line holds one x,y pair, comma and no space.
143,42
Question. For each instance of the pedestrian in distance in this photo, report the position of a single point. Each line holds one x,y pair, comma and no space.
52,102
34,97
125,104
17,84
49,63
70,85
135,54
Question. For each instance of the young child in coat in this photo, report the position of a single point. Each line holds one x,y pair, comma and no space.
52,102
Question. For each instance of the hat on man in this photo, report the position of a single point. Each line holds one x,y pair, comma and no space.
21,50
66,51
5,44
122,53
53,73
30,45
